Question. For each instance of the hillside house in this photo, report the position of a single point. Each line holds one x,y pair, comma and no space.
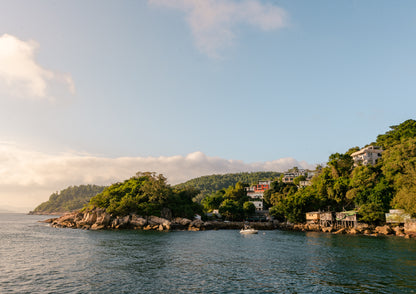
257,191
367,156
290,176
258,205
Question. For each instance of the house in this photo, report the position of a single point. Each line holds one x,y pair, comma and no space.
326,219
347,218
367,156
258,205
257,191
303,184
397,216
290,176
312,217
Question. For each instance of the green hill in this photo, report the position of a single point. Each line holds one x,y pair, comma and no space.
69,199
213,183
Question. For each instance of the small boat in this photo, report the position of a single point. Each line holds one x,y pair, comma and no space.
248,230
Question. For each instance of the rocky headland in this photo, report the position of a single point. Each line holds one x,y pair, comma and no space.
99,219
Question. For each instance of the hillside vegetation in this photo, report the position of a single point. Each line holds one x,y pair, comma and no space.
372,190
71,198
147,194
213,183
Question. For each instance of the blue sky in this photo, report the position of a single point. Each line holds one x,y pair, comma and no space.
93,91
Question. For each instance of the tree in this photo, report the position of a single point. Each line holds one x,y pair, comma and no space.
297,180
249,208
147,194
397,134
372,212
231,210
214,200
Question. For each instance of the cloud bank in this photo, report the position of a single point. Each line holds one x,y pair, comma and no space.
214,23
22,76
27,177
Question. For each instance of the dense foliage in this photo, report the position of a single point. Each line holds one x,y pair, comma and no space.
147,194
71,198
232,203
213,183
370,189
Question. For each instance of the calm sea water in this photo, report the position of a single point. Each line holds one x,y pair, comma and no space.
35,258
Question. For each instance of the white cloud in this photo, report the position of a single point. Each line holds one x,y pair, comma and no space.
213,22
27,177
22,76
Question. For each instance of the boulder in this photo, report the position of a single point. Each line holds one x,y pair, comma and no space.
383,230
96,227
313,227
182,221
89,218
49,220
193,229
138,221
340,231
353,231
327,229
410,227
103,219
197,223
399,231
161,221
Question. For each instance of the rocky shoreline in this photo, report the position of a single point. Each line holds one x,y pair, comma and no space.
98,219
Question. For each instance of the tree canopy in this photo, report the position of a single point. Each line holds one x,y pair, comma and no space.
213,183
147,194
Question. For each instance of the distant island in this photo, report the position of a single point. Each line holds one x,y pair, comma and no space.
69,199
368,181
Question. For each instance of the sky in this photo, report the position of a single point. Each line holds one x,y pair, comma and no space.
92,92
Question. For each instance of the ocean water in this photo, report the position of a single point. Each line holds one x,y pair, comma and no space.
35,258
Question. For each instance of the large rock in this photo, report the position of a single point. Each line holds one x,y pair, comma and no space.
410,227
399,231
138,222
103,219
123,222
353,231
196,225
89,218
182,221
166,224
383,230
96,226
341,231
327,229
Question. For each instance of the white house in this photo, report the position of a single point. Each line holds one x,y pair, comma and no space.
258,205
367,155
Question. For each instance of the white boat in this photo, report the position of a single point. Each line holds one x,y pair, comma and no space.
248,230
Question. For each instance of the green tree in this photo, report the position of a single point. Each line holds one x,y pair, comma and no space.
214,200
231,209
249,208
